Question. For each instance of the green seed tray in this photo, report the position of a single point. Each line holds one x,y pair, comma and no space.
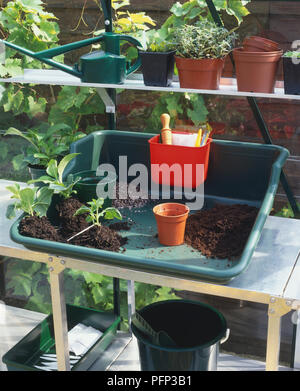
28,351
238,172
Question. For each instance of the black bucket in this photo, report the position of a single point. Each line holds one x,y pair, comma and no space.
196,329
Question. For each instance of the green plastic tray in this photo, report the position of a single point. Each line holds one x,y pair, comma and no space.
238,173
28,351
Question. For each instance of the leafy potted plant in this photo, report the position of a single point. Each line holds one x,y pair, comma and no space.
200,53
34,203
46,142
291,72
65,203
157,56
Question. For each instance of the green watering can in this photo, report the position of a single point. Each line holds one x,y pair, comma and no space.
102,66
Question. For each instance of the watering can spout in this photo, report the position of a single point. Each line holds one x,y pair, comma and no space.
106,66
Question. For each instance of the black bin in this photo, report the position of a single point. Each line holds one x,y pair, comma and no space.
197,330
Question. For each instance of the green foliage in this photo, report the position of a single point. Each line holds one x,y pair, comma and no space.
287,211
204,40
55,178
178,105
32,201
25,23
77,107
93,210
292,54
45,143
156,41
30,281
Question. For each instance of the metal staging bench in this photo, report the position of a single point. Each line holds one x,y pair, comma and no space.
272,275
271,278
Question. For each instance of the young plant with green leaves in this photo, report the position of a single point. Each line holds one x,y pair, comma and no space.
93,209
30,200
156,41
55,178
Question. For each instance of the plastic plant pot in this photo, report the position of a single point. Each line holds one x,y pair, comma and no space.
259,44
291,75
89,185
35,173
158,68
256,71
200,73
171,221
197,329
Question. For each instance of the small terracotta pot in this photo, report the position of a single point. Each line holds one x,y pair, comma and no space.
259,44
171,220
201,73
256,71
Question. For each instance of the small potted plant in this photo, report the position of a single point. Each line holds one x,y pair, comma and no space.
34,203
291,72
46,142
65,202
201,50
157,57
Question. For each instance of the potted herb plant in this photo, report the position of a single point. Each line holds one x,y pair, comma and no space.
201,50
46,142
291,72
200,54
157,57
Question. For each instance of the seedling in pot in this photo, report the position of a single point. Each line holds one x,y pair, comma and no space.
32,201
94,213
55,178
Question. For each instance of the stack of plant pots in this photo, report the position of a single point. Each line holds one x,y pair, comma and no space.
256,64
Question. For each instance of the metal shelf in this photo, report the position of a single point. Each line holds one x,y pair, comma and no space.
135,82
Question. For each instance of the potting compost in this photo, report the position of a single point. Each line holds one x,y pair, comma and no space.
222,231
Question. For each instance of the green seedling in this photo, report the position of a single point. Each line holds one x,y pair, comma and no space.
32,201
93,209
55,178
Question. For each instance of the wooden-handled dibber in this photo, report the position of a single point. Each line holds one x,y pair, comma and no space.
166,133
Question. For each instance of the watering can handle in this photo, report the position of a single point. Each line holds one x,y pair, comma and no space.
136,43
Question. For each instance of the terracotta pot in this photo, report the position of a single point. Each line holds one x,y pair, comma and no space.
171,220
202,74
259,44
256,71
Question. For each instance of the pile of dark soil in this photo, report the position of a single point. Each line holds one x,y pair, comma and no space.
222,231
70,224
40,228
100,237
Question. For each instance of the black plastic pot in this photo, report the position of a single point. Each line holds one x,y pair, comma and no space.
157,68
196,329
291,75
